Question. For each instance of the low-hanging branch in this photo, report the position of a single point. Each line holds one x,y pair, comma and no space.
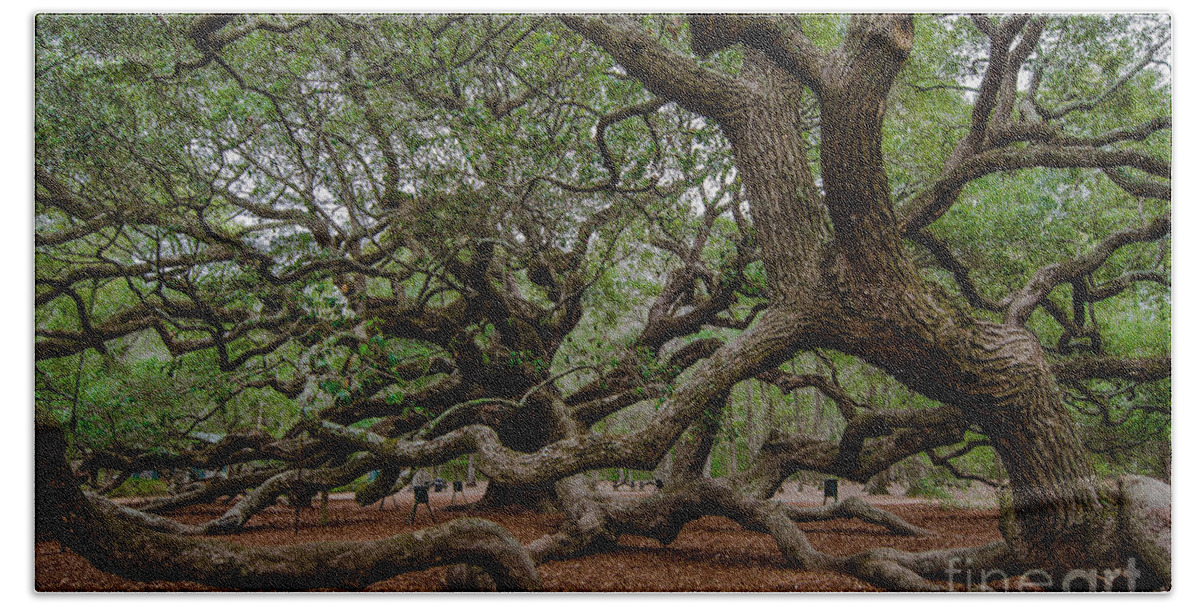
1144,369
108,539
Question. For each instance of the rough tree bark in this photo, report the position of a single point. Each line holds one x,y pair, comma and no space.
839,277
856,290
115,545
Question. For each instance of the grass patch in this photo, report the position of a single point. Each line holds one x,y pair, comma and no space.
140,487
926,488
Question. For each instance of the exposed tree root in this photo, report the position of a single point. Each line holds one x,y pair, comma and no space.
857,508
144,546
594,524
298,485
206,492
115,545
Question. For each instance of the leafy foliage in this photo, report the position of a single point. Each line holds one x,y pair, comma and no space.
379,219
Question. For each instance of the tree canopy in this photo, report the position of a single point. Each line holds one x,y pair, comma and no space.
343,244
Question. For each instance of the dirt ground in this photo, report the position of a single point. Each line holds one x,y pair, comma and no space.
711,554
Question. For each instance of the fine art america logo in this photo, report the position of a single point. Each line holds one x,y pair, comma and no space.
1038,580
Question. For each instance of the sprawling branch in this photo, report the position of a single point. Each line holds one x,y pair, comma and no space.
787,46
929,206
1044,280
1144,369
946,461
114,544
847,406
1091,102
663,71
962,274
1144,188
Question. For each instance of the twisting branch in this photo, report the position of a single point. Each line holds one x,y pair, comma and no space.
1044,280
1143,188
787,47
933,203
945,461
941,252
881,423
1144,369
663,71
1118,285
1092,102
601,138
983,149
847,406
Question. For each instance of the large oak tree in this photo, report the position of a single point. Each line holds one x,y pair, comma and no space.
499,235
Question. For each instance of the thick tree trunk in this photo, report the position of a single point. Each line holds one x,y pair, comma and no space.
871,302
527,430
1060,520
1061,516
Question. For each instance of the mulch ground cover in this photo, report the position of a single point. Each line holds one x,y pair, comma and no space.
711,554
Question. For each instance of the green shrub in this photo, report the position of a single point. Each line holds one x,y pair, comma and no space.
135,486
926,488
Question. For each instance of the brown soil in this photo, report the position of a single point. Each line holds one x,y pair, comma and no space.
711,554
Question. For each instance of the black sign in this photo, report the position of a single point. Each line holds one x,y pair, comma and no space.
458,486
420,494
831,488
